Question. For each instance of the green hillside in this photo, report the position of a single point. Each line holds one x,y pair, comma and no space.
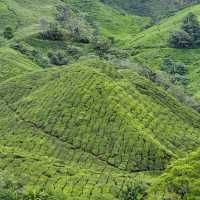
158,35
151,47
154,8
111,22
13,63
89,113
85,113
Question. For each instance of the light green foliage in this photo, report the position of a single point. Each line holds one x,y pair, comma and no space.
13,63
180,181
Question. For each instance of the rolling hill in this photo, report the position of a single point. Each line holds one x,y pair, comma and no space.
89,128
151,46
89,113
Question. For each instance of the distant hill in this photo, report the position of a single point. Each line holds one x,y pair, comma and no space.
155,8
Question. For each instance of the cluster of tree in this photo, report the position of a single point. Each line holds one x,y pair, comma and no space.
52,33
176,69
189,35
68,26
164,80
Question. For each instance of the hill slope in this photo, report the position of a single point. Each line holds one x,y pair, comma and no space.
12,63
89,113
151,47
90,129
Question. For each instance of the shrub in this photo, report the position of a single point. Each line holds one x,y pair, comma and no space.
177,70
53,33
181,39
135,192
8,33
58,58
101,45
6,194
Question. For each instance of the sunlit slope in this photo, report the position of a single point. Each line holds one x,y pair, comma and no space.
81,105
34,159
180,181
158,35
150,47
12,63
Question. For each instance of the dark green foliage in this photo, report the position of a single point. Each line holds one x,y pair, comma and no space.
58,58
31,195
189,35
32,54
52,33
192,27
8,33
101,45
7,195
181,39
135,192
177,70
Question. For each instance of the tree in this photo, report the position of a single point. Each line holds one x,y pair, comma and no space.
181,39
58,58
189,35
8,33
63,14
177,70
53,33
192,27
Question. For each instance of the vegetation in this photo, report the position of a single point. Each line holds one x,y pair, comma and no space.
119,119
8,33
189,36
180,181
